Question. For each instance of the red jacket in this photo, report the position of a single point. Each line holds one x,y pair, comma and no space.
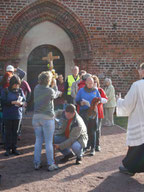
6,79
100,105
81,85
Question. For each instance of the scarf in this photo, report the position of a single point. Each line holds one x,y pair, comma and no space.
67,130
88,90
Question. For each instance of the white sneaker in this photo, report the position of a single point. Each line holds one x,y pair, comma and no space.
53,167
92,152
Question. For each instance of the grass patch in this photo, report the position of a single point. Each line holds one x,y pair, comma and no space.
121,121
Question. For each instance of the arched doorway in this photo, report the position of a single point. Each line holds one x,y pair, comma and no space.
14,47
36,65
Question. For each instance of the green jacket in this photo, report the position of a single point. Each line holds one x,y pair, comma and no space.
110,92
78,131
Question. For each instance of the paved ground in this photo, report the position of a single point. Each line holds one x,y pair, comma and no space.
98,173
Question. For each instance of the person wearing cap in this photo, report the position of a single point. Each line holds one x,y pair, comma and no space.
7,76
133,106
5,84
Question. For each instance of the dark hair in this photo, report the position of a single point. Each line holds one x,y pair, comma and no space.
14,80
81,72
70,108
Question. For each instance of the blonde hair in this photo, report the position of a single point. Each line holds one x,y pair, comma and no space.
95,78
45,78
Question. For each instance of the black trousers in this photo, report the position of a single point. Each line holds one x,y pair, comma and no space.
92,130
69,99
11,127
134,160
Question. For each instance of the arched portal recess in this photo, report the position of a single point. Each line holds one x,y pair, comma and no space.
36,65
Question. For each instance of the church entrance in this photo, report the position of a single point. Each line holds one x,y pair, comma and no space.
36,65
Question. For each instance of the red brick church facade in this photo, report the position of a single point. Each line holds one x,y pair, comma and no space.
107,35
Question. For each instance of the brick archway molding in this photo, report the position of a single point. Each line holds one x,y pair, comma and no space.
46,10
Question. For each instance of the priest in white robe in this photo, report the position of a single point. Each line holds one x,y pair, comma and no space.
133,107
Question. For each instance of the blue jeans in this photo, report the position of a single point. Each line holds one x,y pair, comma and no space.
44,130
76,146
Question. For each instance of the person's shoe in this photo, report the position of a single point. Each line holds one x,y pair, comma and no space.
7,153
92,152
124,170
78,160
66,158
98,148
37,166
53,167
86,149
15,152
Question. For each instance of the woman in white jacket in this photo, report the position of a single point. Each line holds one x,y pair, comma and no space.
133,107
109,107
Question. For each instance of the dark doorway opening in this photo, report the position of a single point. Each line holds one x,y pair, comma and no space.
36,65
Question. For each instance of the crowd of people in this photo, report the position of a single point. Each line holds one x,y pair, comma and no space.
68,115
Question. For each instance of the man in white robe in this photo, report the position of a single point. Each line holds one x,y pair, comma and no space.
133,107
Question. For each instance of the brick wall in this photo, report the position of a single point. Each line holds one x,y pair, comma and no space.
114,34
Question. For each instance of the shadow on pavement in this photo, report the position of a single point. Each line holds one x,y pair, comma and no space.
118,182
100,167
20,170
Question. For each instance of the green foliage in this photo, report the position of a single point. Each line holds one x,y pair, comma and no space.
121,121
